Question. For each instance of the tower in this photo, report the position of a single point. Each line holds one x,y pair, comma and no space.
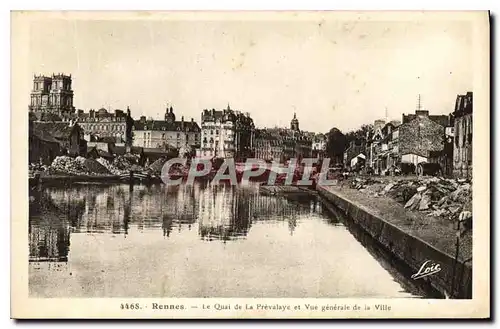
169,114
294,124
52,95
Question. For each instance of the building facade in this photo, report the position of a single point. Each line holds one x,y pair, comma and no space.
274,144
52,95
102,124
282,144
319,146
68,135
167,133
462,148
226,134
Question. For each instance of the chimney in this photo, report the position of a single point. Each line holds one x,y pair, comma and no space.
182,123
192,120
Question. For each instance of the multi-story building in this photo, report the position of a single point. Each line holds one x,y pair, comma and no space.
226,134
274,144
281,144
319,145
416,140
167,133
462,148
52,97
102,124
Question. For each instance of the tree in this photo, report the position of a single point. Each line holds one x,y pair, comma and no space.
336,145
359,134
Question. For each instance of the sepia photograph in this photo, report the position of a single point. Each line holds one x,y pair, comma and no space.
250,165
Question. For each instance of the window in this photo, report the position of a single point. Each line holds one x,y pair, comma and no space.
163,136
178,135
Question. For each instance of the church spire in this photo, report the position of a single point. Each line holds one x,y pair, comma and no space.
294,124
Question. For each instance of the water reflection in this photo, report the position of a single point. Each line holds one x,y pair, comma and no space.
219,212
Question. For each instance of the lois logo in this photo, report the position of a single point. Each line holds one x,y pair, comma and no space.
427,268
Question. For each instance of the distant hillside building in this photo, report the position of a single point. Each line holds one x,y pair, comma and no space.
52,96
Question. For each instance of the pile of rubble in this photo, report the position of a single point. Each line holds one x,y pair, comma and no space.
110,167
37,167
438,197
68,165
123,163
77,166
363,183
157,165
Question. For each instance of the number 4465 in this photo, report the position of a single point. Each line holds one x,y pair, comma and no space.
126,306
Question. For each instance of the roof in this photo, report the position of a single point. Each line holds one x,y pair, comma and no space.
226,115
99,152
443,120
43,135
109,139
120,150
58,130
166,126
280,134
149,150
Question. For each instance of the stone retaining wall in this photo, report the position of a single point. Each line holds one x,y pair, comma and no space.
454,279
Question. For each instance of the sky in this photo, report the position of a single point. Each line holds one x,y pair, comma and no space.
332,73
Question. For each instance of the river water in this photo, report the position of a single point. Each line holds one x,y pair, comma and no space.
196,241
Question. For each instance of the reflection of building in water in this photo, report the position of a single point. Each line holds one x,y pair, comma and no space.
224,213
49,242
105,211
178,206
227,212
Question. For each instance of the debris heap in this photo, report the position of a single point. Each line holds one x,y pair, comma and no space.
438,197
77,166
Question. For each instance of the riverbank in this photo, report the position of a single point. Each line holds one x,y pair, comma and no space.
410,236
